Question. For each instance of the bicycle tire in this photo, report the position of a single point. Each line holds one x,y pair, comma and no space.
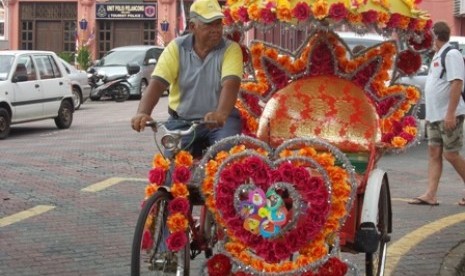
156,265
375,262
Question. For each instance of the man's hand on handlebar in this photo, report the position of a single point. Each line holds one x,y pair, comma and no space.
218,117
139,121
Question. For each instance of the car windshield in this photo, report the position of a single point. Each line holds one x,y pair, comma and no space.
6,61
122,58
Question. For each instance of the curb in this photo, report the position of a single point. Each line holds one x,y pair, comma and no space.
454,262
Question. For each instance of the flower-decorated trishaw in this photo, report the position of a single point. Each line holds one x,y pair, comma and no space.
301,184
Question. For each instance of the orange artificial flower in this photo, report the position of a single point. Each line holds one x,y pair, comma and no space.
383,18
183,158
207,186
398,142
220,156
179,190
262,151
325,159
307,151
211,168
254,12
410,130
285,153
177,222
160,162
150,189
237,149
320,9
337,174
354,18
271,53
283,14
404,22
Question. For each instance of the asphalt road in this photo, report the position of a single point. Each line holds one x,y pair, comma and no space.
69,199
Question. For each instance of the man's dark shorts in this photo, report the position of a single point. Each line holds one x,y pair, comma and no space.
450,140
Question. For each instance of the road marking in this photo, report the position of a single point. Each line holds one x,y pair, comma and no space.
407,242
99,186
34,211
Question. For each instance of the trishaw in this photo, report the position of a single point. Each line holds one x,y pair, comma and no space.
300,185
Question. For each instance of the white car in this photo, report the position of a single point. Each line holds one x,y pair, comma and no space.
34,86
79,82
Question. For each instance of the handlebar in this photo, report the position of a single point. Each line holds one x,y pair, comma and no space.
194,124
156,125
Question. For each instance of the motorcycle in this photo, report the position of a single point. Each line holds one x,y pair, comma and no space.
116,87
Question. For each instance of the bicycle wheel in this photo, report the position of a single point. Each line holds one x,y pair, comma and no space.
374,262
149,253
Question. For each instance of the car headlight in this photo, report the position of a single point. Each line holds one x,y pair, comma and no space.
169,142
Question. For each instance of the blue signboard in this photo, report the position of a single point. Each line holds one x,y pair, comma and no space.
126,11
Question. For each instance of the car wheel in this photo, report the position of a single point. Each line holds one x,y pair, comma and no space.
4,123
77,97
65,115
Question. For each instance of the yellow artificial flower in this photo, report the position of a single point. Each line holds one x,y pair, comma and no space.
179,190
183,158
160,162
320,9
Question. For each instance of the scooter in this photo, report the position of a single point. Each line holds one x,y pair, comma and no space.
116,87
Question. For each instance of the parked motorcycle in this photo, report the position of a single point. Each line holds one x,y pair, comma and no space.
116,87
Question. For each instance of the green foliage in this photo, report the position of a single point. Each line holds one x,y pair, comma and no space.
83,57
67,56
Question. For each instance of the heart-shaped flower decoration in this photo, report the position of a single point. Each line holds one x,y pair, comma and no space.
275,204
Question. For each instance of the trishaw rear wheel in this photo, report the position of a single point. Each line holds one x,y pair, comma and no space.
149,253
374,262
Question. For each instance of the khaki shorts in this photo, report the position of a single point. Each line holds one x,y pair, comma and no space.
451,140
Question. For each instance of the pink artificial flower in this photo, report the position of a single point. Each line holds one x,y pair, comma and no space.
338,11
176,241
301,11
286,169
407,136
409,121
394,20
281,249
147,240
369,17
179,205
182,174
228,20
157,176
219,265
228,177
267,16
243,14
238,171
387,137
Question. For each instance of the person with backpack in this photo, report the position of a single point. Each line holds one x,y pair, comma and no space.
445,113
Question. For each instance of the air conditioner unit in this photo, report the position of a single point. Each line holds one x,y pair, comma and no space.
459,8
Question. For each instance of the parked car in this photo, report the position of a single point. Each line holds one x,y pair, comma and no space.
34,86
115,61
80,85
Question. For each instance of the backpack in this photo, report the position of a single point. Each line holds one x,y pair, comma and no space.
443,64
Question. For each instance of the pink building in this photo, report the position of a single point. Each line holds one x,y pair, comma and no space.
59,25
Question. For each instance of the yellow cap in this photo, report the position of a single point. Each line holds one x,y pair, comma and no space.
206,10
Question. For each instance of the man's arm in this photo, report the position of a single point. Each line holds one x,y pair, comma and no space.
149,100
454,98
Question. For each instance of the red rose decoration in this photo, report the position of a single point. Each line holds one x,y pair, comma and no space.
369,17
301,11
147,241
338,11
408,62
424,42
182,174
179,205
394,20
242,14
219,265
176,241
157,176
267,16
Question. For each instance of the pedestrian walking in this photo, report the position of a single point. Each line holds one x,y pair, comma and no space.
445,112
